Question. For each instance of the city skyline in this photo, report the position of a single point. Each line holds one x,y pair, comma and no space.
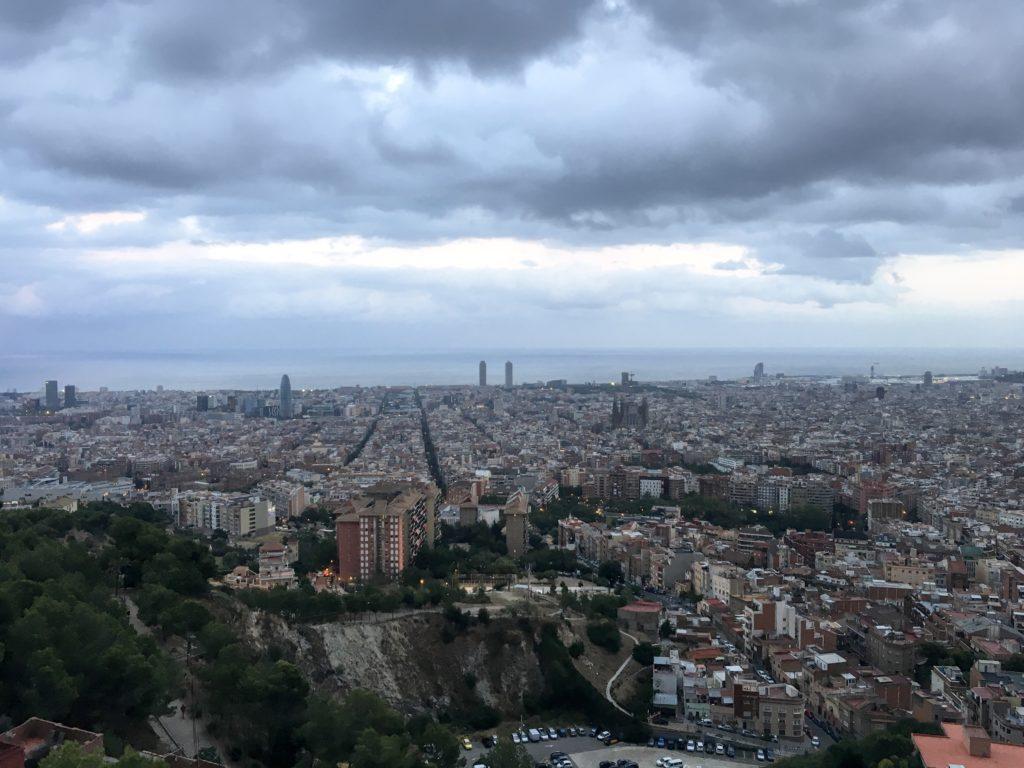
404,384
591,174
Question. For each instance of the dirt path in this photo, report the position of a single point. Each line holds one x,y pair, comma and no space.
178,731
619,671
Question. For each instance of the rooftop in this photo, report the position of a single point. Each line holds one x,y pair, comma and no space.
951,749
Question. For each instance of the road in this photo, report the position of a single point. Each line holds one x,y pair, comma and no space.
821,733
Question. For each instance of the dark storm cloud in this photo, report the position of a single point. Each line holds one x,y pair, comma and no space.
201,39
823,137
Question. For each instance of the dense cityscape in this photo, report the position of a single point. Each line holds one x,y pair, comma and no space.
753,568
511,384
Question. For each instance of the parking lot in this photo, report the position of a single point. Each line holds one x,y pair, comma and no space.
645,757
587,752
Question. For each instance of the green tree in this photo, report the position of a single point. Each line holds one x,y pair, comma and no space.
666,629
611,571
507,754
604,634
331,729
440,745
376,750
1015,663
644,653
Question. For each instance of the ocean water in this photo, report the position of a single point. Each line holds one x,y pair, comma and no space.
325,368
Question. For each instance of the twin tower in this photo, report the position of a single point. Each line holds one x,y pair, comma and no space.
508,374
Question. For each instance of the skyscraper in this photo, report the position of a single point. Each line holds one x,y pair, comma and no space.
285,406
759,371
508,374
52,398
928,379
70,396
483,373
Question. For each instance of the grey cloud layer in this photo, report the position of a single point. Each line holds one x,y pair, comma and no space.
823,136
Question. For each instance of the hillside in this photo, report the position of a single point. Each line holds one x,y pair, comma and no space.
405,662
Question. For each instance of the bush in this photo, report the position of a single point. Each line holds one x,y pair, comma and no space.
605,634
644,653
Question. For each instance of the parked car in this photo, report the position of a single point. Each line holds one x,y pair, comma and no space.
594,731
534,735
603,735
730,750
515,738
760,755
709,747
769,756
650,742
660,743
690,746
700,745
466,743
720,749
670,743
488,742
815,741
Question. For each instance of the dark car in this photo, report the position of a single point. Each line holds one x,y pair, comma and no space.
660,743
670,743
709,747
562,733
606,764
650,742
730,750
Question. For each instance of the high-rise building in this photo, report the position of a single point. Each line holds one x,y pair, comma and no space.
52,398
627,377
508,374
285,409
380,532
928,378
483,373
517,511
70,396
202,403
759,371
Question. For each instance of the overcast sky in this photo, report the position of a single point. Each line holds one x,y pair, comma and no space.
410,174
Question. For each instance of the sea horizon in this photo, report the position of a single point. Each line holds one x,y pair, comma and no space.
250,369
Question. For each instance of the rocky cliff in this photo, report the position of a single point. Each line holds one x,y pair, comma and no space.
405,661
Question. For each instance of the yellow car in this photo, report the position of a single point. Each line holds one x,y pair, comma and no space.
466,743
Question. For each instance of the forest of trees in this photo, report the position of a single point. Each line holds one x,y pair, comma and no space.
69,653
